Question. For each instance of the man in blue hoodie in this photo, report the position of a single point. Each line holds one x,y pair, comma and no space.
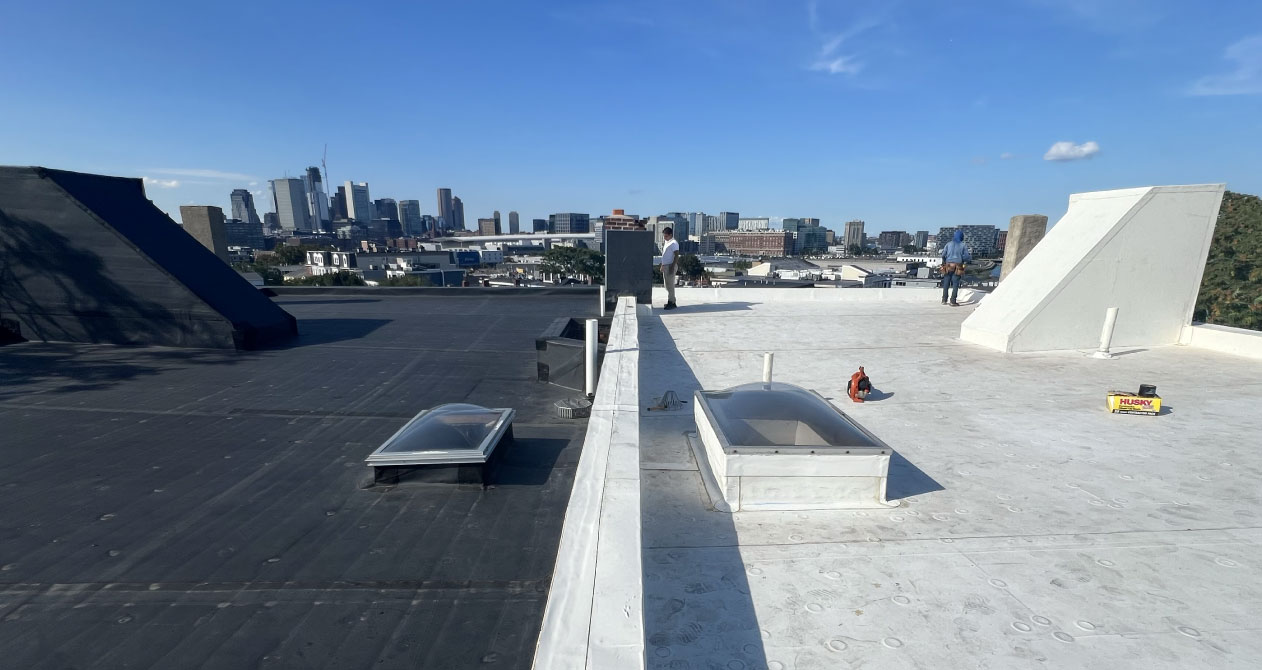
954,256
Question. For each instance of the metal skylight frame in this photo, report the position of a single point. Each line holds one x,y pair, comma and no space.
382,457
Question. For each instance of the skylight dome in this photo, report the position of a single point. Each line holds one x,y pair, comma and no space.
446,434
780,415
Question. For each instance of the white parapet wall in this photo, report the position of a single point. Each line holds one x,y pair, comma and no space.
594,618
1141,250
1235,341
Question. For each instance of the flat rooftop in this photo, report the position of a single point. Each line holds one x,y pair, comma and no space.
1035,529
179,508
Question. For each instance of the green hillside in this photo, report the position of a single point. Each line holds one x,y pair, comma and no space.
1231,290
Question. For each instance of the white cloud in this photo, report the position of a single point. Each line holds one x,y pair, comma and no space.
204,174
840,65
161,183
1246,79
1007,155
1068,151
253,183
827,59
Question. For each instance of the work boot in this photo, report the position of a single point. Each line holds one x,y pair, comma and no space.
955,304
669,305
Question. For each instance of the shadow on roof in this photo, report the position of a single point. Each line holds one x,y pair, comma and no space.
73,368
670,585
703,308
907,480
327,331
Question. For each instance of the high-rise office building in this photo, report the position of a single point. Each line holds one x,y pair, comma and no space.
682,226
358,204
385,208
488,227
854,234
243,207
317,200
696,222
514,224
339,210
205,223
242,234
429,225
291,204
445,210
982,241
790,225
922,239
498,227
539,226
569,222
457,211
410,217
811,240
729,220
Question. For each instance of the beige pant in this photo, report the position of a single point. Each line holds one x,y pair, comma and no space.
668,279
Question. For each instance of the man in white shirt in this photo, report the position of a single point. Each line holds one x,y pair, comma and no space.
670,263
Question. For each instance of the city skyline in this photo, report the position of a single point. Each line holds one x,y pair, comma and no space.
899,113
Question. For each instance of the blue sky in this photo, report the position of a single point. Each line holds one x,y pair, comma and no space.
909,115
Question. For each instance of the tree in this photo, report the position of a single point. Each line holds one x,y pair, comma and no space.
407,280
742,264
855,250
568,261
271,276
690,266
1231,287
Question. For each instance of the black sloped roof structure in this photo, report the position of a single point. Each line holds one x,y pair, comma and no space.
88,258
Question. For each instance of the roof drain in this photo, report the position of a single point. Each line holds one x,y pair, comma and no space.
453,443
776,446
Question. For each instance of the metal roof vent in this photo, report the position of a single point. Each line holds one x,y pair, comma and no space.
771,445
455,434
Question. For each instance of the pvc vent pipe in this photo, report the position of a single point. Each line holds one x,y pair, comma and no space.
591,343
767,360
602,301
1106,335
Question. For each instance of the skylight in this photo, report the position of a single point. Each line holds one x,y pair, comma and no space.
446,434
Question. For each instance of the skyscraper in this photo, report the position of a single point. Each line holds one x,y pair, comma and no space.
291,204
385,208
340,210
317,200
514,224
539,226
729,220
496,216
569,222
358,204
457,211
243,207
922,239
488,227
854,234
446,210
410,217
